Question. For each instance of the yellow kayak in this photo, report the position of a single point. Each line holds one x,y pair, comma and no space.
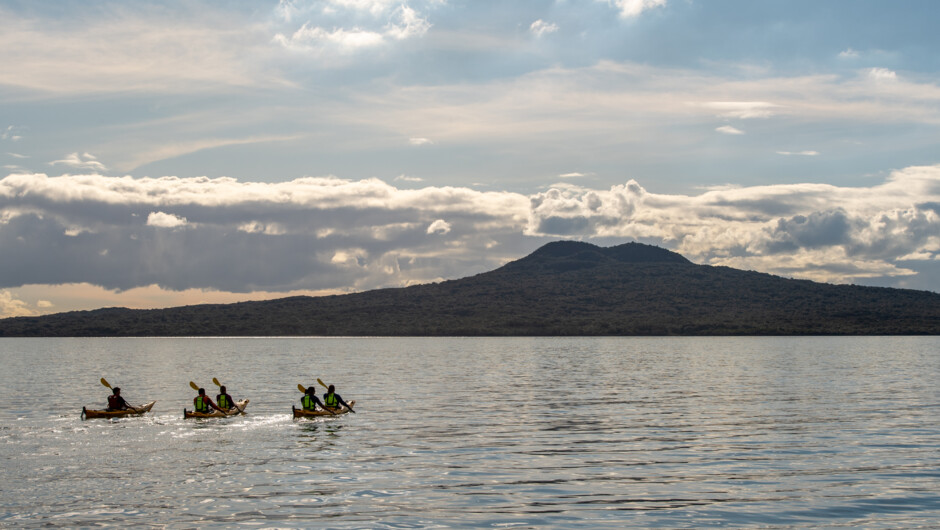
216,414
301,413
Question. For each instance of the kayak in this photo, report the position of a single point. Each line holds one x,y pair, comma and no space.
116,413
301,413
215,413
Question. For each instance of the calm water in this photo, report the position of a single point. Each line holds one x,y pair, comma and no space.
562,433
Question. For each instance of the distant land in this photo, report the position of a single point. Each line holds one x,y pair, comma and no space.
564,288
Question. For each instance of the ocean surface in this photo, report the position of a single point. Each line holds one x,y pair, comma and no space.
477,432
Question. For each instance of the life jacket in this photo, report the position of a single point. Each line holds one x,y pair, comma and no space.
308,402
114,402
201,405
330,400
223,401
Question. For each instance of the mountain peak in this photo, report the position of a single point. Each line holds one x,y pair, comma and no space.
628,252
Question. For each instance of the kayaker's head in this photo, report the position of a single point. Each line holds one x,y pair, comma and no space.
222,389
331,389
116,391
202,391
311,390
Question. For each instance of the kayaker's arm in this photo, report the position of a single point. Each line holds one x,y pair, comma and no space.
343,403
127,405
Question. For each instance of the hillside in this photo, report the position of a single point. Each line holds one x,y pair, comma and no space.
563,288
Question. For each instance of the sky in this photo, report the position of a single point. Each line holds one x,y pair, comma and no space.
158,154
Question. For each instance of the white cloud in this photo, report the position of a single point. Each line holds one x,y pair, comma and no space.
144,50
286,10
407,23
439,227
374,7
13,307
327,233
11,133
44,304
727,129
743,109
540,27
633,8
419,141
798,153
165,220
16,155
882,75
848,53
572,175
341,40
407,178
81,161
403,23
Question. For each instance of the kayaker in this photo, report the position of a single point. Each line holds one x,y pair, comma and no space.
310,401
333,400
224,400
202,402
116,402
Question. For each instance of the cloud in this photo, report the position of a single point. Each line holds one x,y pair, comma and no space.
164,150
419,141
572,175
165,220
403,23
406,178
339,40
848,53
798,153
634,8
11,133
882,75
375,7
439,227
727,129
540,27
407,23
12,307
743,109
325,233
81,161
145,50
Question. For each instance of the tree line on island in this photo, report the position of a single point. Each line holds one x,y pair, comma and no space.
564,288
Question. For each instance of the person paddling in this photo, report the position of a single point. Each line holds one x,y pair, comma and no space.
202,402
310,401
333,400
116,402
224,400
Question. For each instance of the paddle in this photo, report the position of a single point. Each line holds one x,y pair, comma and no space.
107,384
326,386
218,384
303,389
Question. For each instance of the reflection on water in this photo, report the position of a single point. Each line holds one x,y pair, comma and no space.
481,432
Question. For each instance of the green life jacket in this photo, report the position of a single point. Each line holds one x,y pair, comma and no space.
308,402
330,400
201,405
223,401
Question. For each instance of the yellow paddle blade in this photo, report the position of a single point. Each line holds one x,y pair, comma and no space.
301,388
216,381
105,383
322,383
194,385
